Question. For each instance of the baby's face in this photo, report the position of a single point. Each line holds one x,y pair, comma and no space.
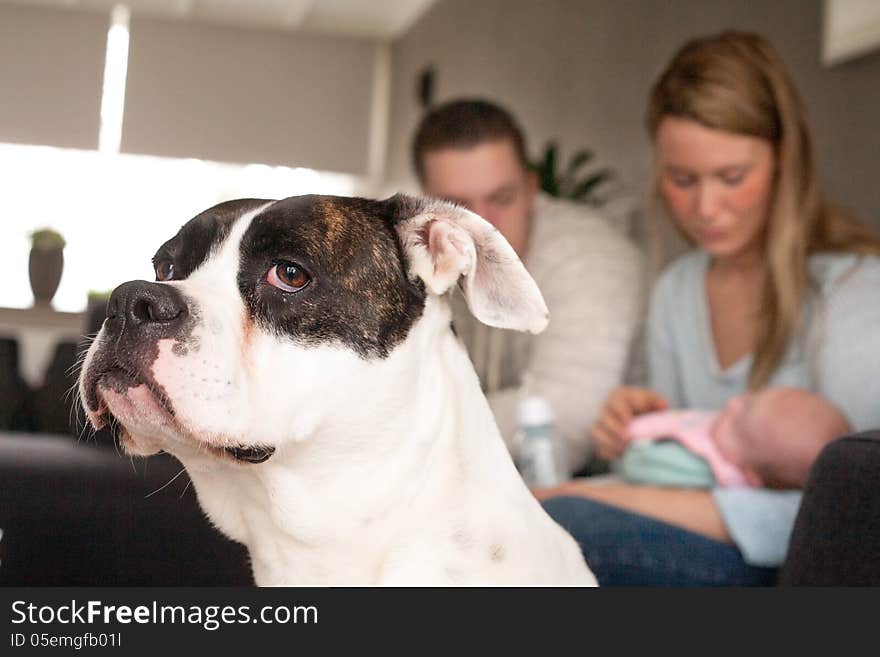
778,432
735,429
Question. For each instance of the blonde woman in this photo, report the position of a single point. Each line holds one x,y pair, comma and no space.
781,289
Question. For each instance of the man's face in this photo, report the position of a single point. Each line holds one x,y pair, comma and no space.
487,179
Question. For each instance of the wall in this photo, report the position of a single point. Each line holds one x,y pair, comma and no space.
579,71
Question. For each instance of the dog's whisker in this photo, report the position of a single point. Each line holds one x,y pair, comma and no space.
82,433
114,432
77,364
168,483
72,399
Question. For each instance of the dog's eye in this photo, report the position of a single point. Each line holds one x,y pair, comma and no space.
164,270
288,276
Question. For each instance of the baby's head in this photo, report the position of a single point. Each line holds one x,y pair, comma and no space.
774,435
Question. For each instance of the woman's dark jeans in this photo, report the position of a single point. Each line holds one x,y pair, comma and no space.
628,549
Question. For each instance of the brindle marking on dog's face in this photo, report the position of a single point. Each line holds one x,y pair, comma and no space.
359,295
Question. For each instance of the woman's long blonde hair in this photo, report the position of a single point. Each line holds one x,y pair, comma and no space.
736,82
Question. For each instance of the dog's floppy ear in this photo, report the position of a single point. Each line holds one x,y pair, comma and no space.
445,244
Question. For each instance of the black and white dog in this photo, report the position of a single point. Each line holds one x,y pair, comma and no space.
297,357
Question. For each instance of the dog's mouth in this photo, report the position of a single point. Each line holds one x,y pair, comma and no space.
120,380
258,454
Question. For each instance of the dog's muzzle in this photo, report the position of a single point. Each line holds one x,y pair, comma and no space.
139,315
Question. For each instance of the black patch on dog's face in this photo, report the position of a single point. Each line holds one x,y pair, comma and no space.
203,233
359,294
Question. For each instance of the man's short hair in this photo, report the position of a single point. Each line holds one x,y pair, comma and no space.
465,123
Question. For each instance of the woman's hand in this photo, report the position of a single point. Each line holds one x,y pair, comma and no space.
622,405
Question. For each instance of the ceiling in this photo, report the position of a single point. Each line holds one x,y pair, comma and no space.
373,19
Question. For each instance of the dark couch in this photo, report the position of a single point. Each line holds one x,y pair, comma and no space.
16,398
836,537
77,513
73,511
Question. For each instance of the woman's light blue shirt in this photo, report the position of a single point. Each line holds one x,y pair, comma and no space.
837,356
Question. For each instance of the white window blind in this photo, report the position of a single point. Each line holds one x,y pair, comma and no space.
248,95
51,69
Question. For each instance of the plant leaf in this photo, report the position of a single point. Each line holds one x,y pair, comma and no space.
568,179
577,160
548,172
583,189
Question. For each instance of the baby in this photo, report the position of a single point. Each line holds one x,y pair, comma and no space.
763,439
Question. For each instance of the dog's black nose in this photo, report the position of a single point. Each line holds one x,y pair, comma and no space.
142,304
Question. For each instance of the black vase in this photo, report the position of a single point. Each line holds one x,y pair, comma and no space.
44,268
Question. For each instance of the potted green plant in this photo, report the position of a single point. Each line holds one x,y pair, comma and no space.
45,264
572,182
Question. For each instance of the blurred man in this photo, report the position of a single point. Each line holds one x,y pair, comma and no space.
472,152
